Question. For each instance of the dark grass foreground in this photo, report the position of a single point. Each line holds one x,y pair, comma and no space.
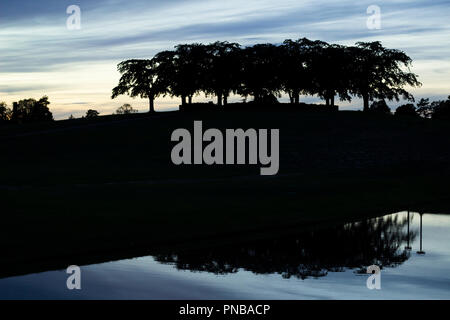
86,191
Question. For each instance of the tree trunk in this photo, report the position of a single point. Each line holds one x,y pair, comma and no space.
257,97
15,111
332,99
225,99
297,98
152,104
219,99
327,101
190,99
366,102
183,100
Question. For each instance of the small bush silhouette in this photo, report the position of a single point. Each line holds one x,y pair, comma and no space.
92,114
406,110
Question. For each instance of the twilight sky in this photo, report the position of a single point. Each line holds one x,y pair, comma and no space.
77,68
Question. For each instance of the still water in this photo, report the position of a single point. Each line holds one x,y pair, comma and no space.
317,263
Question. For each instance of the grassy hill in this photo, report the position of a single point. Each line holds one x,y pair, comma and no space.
85,190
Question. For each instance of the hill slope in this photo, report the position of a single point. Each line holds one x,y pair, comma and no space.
72,190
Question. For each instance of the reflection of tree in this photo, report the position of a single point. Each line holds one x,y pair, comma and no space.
311,253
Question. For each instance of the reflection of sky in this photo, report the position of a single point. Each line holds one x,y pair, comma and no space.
77,68
421,277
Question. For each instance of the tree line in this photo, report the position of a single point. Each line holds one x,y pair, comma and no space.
439,109
366,70
27,110
30,110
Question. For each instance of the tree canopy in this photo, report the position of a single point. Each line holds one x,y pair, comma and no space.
92,114
408,109
139,79
441,109
5,112
31,110
367,70
379,73
126,109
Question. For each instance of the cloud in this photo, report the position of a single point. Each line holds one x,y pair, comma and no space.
39,53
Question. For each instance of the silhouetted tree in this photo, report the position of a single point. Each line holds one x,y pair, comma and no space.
30,110
5,112
295,71
181,73
222,71
189,74
41,111
139,79
261,76
331,71
265,71
166,73
424,108
377,73
92,114
441,109
406,110
126,109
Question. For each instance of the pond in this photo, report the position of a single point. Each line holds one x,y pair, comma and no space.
324,262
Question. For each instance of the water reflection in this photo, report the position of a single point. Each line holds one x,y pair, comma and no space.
408,245
252,270
421,233
311,253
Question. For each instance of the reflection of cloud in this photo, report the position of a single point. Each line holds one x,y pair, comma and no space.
39,54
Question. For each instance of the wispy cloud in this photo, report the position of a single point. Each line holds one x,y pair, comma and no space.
40,56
